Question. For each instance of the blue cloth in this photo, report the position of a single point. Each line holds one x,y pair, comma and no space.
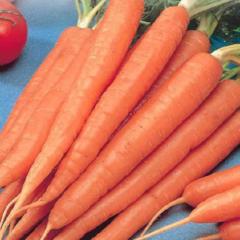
46,21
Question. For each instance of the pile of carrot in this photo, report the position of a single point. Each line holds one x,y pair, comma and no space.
111,129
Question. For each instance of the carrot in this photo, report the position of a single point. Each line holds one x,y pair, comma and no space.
204,188
141,212
219,208
34,83
141,67
63,61
107,53
23,154
37,233
227,231
28,221
154,122
215,110
9,193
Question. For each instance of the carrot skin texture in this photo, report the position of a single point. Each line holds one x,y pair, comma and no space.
209,154
110,167
194,42
34,83
214,111
106,53
23,154
123,94
230,230
9,193
28,221
52,77
219,208
204,188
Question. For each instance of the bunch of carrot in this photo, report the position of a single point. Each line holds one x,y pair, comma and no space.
105,128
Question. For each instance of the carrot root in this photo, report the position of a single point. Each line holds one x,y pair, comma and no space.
7,210
159,213
46,232
212,237
165,229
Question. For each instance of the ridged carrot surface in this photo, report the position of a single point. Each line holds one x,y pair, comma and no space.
222,103
133,80
197,164
148,128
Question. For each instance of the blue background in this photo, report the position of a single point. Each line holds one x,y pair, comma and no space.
46,21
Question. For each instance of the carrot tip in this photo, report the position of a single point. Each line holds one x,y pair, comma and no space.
7,210
46,232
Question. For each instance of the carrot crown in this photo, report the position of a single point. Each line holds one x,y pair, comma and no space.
86,12
196,7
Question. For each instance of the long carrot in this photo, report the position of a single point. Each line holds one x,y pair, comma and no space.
227,231
196,129
107,53
219,208
155,121
133,80
9,193
52,77
141,212
204,188
36,80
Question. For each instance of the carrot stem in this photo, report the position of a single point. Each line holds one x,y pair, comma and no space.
87,19
166,228
162,210
224,53
212,237
79,11
195,7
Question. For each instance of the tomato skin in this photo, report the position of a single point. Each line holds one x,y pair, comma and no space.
13,32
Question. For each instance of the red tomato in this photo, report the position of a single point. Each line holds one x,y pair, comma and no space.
13,32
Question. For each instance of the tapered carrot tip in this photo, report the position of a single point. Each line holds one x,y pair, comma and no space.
212,237
165,229
10,205
160,212
46,232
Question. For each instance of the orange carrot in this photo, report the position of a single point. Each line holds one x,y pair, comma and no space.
23,154
154,122
37,233
141,212
204,188
196,129
219,208
36,80
29,220
62,62
141,67
107,52
227,231
9,193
